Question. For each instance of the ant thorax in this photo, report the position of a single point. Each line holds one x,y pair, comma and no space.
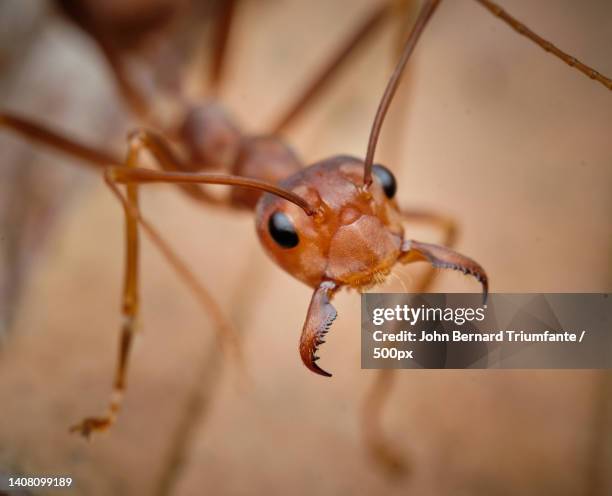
266,158
215,142
354,238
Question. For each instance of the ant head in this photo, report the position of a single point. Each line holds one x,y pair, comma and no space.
355,235
354,238
212,137
266,158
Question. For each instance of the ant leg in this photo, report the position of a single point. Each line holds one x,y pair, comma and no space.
168,161
100,159
380,449
221,35
43,135
446,224
188,180
379,393
357,38
131,95
130,307
226,332
78,13
438,257
449,230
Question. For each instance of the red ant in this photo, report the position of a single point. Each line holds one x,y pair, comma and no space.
333,224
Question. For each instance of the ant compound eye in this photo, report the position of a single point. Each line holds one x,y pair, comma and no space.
282,230
386,178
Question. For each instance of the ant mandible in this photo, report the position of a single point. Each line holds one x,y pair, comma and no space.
331,225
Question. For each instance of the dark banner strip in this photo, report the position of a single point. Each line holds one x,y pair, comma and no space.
512,331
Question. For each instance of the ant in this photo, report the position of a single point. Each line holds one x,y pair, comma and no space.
209,140
332,225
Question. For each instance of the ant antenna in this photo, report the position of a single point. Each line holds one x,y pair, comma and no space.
428,9
520,28
426,12
136,175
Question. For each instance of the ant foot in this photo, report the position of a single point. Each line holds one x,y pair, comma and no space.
390,461
90,425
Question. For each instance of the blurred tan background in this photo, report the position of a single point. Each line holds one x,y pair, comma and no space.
489,128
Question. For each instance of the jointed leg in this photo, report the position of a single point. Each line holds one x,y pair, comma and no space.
226,333
445,224
222,31
449,238
45,136
130,306
380,449
168,161
132,177
78,12
131,95
100,159
379,393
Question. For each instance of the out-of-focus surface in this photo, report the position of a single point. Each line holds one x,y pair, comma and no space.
507,139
